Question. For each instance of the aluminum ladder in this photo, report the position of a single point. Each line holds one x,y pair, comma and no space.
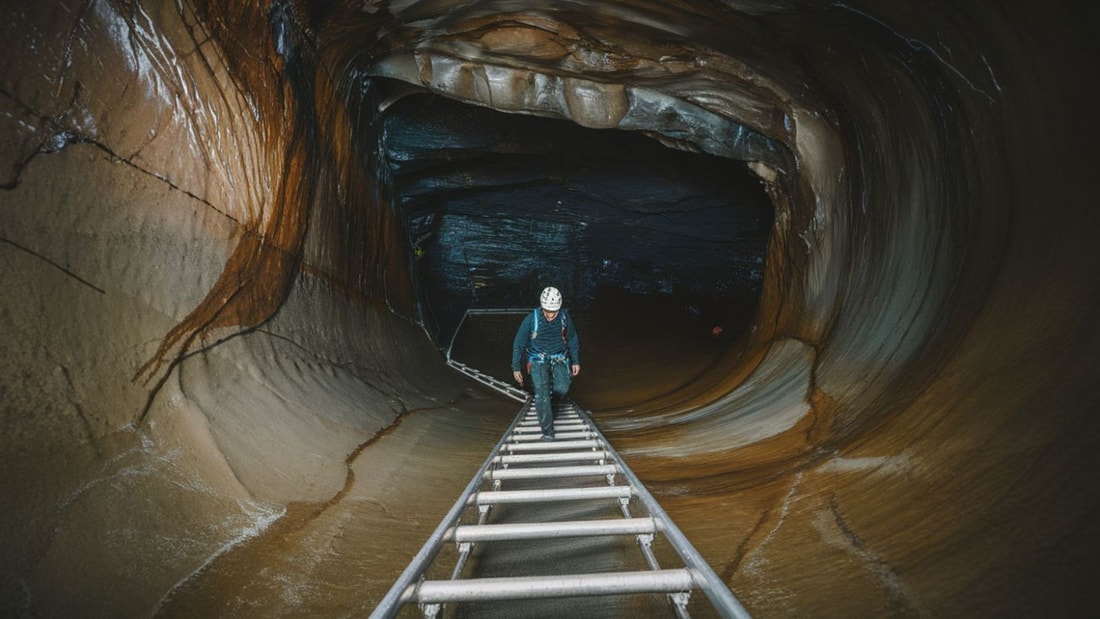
578,452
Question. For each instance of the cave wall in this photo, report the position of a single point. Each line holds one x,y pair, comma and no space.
156,409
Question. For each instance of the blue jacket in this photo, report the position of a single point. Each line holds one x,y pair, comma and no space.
550,338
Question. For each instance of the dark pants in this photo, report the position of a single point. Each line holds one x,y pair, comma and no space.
547,376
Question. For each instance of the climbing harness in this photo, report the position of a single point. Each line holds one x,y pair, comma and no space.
541,357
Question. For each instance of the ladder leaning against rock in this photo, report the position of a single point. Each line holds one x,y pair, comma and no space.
552,472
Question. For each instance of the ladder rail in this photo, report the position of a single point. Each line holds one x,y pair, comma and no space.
706,579
401,591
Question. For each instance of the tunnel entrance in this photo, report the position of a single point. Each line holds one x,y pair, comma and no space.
646,242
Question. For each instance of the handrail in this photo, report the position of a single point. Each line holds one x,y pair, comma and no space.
489,381
479,311
493,383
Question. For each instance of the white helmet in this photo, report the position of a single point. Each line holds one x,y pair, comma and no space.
550,299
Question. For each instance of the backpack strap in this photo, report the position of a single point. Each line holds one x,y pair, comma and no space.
535,324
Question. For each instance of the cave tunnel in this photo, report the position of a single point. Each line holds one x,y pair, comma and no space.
236,238
497,206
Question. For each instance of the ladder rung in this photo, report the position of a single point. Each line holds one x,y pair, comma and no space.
557,456
535,426
557,426
534,418
534,587
549,530
554,445
551,494
545,472
530,436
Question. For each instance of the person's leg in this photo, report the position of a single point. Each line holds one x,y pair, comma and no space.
540,380
562,381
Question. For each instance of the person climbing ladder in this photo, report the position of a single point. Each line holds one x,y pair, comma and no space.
547,339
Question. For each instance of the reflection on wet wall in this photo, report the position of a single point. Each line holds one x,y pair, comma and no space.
234,236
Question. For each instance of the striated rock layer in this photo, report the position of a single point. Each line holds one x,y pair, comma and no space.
222,393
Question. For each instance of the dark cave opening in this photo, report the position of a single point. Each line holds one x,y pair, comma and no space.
641,238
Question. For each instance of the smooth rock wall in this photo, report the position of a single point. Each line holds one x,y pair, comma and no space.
133,166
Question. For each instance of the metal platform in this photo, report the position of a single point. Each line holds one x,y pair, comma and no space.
577,466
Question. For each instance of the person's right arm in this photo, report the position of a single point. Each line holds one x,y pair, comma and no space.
519,344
